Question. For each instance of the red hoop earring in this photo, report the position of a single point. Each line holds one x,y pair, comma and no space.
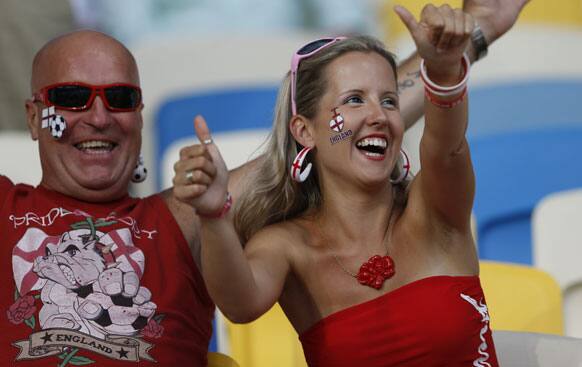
296,173
403,168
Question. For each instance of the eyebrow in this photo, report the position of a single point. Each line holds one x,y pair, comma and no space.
360,91
350,91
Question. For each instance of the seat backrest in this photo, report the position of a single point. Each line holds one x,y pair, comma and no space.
514,170
519,349
557,249
522,298
266,342
239,116
20,162
514,110
216,359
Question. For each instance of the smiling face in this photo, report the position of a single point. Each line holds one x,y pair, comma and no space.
362,88
94,159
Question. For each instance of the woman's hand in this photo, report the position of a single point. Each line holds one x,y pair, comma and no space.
201,176
441,36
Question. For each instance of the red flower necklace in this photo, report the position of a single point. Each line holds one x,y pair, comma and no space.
377,269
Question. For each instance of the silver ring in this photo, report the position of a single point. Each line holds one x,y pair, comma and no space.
207,141
189,175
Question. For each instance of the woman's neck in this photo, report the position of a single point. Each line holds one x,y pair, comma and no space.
356,215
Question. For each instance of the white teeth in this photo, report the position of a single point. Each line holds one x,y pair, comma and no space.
68,273
372,154
378,142
95,145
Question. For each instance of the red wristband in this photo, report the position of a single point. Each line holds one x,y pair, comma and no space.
222,213
435,100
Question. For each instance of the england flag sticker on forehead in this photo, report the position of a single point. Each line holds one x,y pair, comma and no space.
337,121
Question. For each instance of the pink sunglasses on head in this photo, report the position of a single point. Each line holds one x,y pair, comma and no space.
303,53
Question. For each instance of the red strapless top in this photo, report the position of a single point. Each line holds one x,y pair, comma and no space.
435,321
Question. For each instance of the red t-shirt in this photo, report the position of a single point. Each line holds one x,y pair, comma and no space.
97,284
440,321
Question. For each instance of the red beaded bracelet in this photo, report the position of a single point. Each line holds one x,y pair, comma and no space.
222,213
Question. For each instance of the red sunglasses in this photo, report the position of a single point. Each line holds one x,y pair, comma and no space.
76,96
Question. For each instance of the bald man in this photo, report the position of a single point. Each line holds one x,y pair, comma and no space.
92,275
98,277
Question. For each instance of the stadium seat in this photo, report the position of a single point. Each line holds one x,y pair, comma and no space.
514,170
519,349
557,249
246,112
216,359
522,298
23,164
514,110
266,342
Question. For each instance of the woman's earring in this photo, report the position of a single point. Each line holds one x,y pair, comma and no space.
296,172
402,169
140,172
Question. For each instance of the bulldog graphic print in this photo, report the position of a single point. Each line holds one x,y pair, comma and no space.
91,299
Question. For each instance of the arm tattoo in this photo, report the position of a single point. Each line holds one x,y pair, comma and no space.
409,82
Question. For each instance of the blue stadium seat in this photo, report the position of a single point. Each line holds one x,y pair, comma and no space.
514,170
524,105
229,109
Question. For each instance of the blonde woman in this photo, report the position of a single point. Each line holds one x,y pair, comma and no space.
371,266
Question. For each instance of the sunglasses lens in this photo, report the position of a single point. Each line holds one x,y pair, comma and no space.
313,46
123,97
69,96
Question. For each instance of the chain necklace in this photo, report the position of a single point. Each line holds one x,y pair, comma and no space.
374,272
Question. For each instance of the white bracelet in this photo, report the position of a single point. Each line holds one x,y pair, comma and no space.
446,91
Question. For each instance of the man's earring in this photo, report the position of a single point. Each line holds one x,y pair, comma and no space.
140,172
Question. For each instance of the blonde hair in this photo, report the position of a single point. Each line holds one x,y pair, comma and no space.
271,194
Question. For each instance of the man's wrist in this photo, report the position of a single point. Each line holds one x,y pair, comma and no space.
479,44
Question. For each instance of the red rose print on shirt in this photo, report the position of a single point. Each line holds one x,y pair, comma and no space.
21,310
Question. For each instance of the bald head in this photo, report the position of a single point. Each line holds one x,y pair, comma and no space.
71,56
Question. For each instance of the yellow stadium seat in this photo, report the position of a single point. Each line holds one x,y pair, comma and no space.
220,360
522,298
266,342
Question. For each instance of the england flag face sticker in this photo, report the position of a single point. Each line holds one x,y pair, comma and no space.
55,123
337,121
47,113
57,126
337,124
